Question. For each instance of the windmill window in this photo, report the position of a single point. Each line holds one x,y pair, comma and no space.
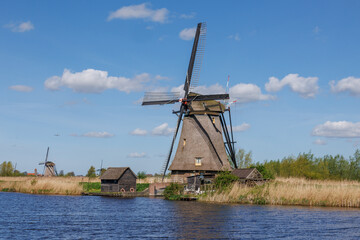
197,161
184,142
213,120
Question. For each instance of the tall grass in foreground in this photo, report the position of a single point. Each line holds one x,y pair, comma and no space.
291,191
45,185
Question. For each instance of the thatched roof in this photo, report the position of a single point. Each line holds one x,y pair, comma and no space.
114,173
201,137
247,173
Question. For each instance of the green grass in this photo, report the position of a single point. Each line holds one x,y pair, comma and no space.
96,186
8,190
141,186
91,186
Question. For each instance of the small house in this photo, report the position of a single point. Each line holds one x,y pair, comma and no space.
118,179
248,175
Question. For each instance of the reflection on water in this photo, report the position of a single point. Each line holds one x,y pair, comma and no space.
24,216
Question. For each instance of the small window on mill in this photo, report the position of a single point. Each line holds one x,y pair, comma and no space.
197,161
184,142
213,120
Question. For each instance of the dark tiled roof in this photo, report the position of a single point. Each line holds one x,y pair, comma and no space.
113,173
243,173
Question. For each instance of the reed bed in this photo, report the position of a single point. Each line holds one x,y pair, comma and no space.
291,191
45,185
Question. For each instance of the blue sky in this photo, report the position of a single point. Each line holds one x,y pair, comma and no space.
73,73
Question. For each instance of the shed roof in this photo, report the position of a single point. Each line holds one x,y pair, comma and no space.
247,173
113,173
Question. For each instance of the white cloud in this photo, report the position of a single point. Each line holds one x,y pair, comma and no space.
163,130
241,128
188,16
306,87
248,93
242,92
139,132
94,135
320,142
213,89
159,77
20,27
187,34
236,37
341,129
21,88
141,11
316,30
349,84
136,155
96,81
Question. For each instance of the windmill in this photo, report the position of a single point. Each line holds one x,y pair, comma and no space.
201,148
49,167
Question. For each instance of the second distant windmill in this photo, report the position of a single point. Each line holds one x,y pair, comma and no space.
49,166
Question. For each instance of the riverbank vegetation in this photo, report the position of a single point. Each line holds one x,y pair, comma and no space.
47,185
290,191
306,165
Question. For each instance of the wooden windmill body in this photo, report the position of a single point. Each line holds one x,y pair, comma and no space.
201,148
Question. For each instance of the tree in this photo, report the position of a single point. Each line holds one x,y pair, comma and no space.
102,171
243,159
91,172
6,169
61,173
141,175
70,174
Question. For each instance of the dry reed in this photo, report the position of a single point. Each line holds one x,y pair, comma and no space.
292,191
45,185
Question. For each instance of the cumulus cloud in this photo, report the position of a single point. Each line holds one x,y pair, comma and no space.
188,16
163,130
141,11
94,135
341,129
159,77
241,128
95,81
320,142
242,92
247,92
187,33
20,27
306,87
349,84
21,88
136,155
139,132
316,30
236,37
213,89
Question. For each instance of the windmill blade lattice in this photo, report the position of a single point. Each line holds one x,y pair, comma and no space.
199,57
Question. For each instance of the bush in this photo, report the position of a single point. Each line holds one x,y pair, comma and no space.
173,191
224,180
141,186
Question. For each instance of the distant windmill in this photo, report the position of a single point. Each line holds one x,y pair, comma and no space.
49,167
99,170
201,148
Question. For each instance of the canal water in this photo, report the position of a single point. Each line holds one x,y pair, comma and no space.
25,216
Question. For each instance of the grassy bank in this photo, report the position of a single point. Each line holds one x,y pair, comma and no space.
55,185
291,191
46,185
